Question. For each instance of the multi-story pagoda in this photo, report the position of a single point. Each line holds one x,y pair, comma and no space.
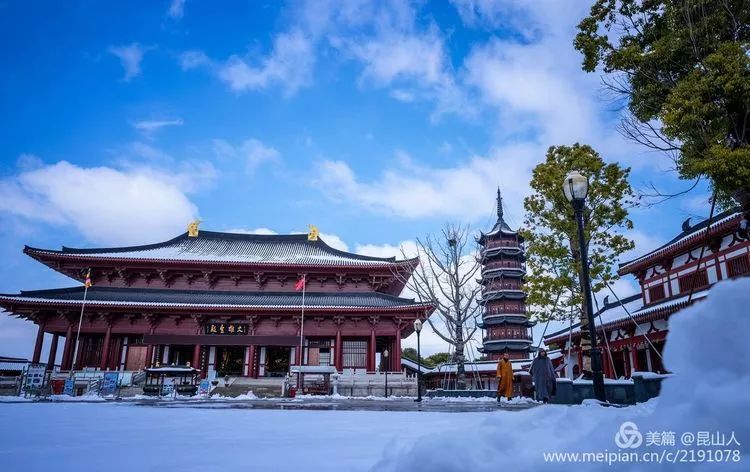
224,302
504,321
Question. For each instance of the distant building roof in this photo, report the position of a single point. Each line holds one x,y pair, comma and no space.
109,296
688,234
211,246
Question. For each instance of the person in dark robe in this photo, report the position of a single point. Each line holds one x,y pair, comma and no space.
544,377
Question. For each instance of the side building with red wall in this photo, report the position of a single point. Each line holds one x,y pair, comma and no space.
633,330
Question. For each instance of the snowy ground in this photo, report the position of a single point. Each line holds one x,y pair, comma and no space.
708,394
119,437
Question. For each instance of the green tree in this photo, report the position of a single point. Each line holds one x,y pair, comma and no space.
437,358
409,353
553,280
684,66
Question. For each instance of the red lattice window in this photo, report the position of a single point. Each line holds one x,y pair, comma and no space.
354,354
693,281
656,293
738,266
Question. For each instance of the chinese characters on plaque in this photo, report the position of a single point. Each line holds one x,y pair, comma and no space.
226,328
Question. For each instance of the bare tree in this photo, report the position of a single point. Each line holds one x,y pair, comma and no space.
445,277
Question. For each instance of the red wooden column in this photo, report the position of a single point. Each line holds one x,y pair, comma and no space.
38,345
52,352
396,356
371,353
339,349
636,366
67,350
196,357
105,347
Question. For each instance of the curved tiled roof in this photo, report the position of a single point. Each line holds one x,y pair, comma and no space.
211,246
109,296
682,240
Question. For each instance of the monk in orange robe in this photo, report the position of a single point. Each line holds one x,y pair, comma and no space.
504,378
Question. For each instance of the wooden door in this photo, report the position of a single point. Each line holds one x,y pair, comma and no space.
136,358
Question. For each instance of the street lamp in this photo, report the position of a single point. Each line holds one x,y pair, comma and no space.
576,188
418,329
385,356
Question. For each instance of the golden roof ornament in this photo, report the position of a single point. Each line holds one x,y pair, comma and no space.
192,228
313,234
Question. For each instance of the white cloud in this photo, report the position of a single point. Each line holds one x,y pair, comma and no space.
106,205
194,59
254,152
28,162
176,9
289,65
130,57
465,191
397,55
408,248
151,126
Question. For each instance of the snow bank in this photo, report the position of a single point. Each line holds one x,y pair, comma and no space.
245,396
711,362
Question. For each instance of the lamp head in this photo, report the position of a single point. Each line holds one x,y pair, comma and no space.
385,353
575,186
417,325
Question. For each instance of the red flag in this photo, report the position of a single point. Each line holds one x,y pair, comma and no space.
300,284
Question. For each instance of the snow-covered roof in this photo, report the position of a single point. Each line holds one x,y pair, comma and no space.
111,296
636,309
687,233
211,246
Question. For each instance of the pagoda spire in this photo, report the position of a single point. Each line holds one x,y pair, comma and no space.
499,204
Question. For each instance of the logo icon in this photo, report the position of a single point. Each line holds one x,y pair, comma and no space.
628,436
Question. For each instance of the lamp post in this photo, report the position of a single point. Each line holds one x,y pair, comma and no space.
385,356
418,329
576,188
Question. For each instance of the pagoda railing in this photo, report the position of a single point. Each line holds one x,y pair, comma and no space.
520,337
504,265
503,243
503,311
505,285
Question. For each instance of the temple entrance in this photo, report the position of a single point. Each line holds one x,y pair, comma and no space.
229,360
277,361
180,355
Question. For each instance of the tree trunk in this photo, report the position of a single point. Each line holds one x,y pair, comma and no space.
460,369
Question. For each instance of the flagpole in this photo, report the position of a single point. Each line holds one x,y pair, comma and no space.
80,321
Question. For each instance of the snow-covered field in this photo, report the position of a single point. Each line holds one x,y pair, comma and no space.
706,349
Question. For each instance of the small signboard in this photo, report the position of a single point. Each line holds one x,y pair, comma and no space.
70,387
109,383
34,380
204,387
58,385
226,328
168,387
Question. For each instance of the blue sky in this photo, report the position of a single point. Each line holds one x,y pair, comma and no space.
377,122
